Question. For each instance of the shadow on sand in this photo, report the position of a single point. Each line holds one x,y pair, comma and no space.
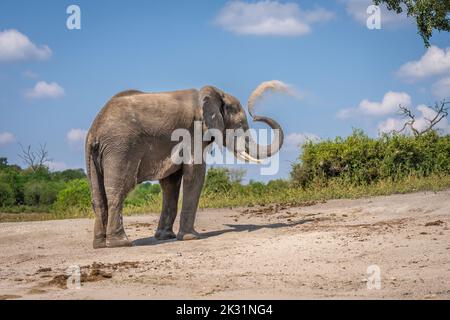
231,228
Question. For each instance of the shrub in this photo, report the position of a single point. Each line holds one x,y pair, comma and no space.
40,192
6,195
256,188
217,181
69,174
142,194
361,160
278,185
75,194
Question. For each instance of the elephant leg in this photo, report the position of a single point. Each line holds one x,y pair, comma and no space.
115,232
193,178
171,190
99,205
101,219
119,180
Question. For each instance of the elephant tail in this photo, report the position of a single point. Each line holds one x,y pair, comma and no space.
95,175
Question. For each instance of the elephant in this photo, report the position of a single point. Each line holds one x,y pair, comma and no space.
129,142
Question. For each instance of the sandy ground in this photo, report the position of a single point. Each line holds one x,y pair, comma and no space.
318,250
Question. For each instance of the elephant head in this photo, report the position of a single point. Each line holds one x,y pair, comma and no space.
224,112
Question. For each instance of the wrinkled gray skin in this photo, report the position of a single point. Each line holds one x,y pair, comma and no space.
130,142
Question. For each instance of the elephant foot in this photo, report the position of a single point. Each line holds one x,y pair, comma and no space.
99,243
118,241
193,235
165,234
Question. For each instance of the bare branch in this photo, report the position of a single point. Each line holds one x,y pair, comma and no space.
28,156
407,113
32,159
441,110
42,155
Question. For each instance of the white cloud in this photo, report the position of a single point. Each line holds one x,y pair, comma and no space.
56,165
16,46
269,18
76,138
390,124
357,9
388,105
6,138
294,140
435,61
420,123
43,89
441,89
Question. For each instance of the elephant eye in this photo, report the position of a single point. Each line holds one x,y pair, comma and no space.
232,109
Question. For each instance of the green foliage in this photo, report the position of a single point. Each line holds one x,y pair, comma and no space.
257,188
429,14
217,181
69,174
75,194
349,167
32,188
335,189
143,194
15,179
40,192
6,195
361,160
3,163
278,185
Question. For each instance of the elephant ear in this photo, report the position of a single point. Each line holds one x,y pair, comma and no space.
211,103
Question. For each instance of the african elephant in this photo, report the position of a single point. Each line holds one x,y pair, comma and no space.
130,142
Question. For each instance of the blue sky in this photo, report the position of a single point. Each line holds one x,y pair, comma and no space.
55,81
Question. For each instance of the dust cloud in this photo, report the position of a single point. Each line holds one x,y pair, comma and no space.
269,86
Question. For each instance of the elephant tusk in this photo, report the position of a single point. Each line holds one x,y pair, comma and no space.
245,156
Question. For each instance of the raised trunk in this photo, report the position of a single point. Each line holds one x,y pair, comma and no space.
260,151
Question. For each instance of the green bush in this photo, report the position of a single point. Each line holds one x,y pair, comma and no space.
36,187
76,194
217,181
69,174
6,195
278,185
12,176
362,160
142,194
256,188
41,192
335,168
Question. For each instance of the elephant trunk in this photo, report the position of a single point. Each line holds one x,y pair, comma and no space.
254,152
267,151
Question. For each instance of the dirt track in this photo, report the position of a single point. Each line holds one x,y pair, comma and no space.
316,251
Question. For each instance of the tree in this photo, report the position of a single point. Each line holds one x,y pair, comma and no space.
429,14
32,159
440,112
75,194
69,174
3,162
39,192
217,181
6,194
